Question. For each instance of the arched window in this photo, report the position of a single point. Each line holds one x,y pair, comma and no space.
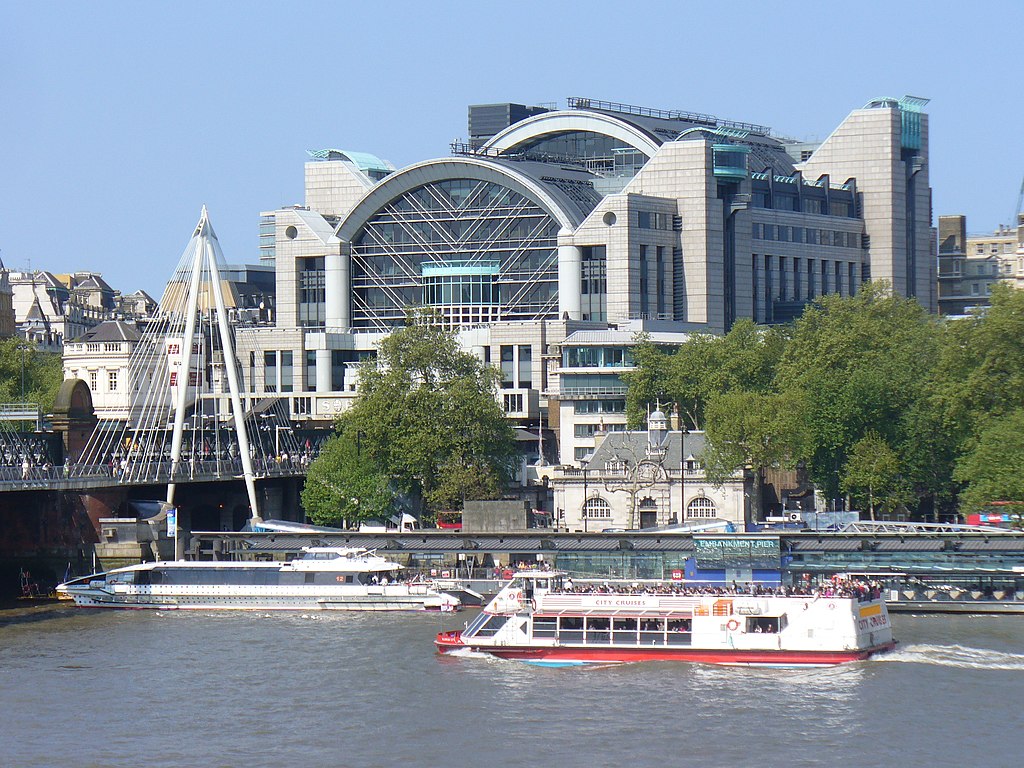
597,509
647,504
701,507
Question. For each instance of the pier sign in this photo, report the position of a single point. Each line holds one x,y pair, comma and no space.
731,552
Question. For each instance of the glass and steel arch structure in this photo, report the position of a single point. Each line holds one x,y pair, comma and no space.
603,143
476,239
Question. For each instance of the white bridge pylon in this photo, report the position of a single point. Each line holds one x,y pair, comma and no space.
200,269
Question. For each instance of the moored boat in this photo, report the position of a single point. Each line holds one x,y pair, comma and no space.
321,578
538,617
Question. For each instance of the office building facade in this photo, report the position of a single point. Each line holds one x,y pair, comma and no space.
594,218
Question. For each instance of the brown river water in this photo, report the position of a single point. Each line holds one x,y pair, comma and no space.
140,688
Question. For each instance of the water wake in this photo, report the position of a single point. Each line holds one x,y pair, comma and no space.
956,656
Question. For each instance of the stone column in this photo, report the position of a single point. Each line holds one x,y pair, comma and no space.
323,370
337,287
570,275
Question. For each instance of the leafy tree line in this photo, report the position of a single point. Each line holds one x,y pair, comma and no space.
28,374
425,433
875,397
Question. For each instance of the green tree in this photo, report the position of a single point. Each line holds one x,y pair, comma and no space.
872,474
980,373
427,419
854,364
752,430
701,368
28,374
344,486
991,470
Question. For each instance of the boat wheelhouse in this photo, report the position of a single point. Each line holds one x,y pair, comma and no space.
540,617
321,578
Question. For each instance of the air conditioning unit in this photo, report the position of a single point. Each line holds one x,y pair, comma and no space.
794,517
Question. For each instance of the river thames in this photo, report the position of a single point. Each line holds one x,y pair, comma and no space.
95,688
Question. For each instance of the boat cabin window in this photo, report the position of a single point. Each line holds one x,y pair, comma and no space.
545,626
679,631
598,630
475,624
769,625
491,626
570,629
652,631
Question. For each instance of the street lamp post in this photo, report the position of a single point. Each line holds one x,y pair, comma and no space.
583,509
683,432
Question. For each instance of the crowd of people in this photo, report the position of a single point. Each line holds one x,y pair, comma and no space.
834,588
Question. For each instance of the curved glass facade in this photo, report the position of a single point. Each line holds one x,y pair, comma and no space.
598,152
476,250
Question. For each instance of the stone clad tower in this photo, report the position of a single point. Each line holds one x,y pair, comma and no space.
7,326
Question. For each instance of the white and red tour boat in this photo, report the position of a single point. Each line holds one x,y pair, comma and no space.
539,617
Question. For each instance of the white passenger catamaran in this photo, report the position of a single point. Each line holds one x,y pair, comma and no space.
321,578
539,617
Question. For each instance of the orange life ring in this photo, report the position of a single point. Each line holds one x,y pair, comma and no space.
732,625
831,606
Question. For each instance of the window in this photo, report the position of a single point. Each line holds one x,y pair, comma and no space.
286,371
507,365
644,303
310,383
812,205
701,507
594,282
512,402
525,366
112,381
660,279
597,509
93,381
270,371
312,292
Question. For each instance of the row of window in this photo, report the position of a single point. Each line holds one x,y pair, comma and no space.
816,205
588,430
784,233
93,378
596,357
599,406
279,369
702,507
790,278
995,247
653,220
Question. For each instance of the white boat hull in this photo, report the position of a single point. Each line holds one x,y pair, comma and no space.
266,599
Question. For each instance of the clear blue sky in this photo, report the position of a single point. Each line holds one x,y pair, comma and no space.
121,119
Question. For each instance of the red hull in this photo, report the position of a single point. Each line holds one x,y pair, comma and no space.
449,642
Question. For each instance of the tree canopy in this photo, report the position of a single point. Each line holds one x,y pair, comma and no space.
425,427
41,372
874,396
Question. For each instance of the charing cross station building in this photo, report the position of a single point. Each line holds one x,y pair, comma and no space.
553,236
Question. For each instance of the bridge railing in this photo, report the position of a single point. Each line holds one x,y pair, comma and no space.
139,473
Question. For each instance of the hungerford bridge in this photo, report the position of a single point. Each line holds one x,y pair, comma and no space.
187,422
